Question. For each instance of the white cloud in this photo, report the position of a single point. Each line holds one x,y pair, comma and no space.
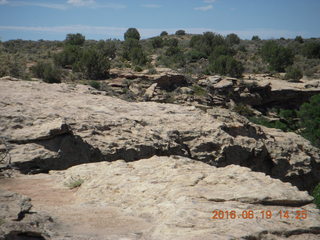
151,6
2,2
81,3
204,8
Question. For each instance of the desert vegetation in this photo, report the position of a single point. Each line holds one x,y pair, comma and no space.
207,53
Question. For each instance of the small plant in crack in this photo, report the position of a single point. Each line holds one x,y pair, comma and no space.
1,221
74,182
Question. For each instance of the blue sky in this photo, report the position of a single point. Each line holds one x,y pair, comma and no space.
103,19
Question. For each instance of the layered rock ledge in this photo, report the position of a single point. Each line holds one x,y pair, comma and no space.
56,126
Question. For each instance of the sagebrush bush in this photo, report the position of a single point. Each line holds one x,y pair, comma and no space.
48,72
69,56
293,73
207,42
232,39
157,42
226,65
13,66
93,64
311,49
278,57
95,84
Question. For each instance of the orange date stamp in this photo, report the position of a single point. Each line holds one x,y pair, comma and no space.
259,214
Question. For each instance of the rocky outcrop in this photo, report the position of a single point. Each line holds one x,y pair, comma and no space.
184,199
55,126
17,221
261,91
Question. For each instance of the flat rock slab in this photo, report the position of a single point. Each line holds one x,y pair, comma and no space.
168,198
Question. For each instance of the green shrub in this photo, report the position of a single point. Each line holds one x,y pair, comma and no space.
163,33
311,49
47,71
270,124
171,42
243,110
75,39
138,69
171,51
12,65
93,64
157,42
278,57
226,65
198,91
255,38
309,114
194,55
220,51
293,73
69,56
108,48
95,84
137,56
132,33
232,39
152,71
299,39
207,42
133,52
180,33
316,195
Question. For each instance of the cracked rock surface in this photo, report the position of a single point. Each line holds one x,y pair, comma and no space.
56,126
176,197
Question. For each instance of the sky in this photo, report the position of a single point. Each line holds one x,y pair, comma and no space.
104,19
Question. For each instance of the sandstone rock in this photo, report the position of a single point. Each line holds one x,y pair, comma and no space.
211,80
225,83
186,90
170,82
279,93
177,195
8,78
118,82
18,222
312,84
150,91
102,128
